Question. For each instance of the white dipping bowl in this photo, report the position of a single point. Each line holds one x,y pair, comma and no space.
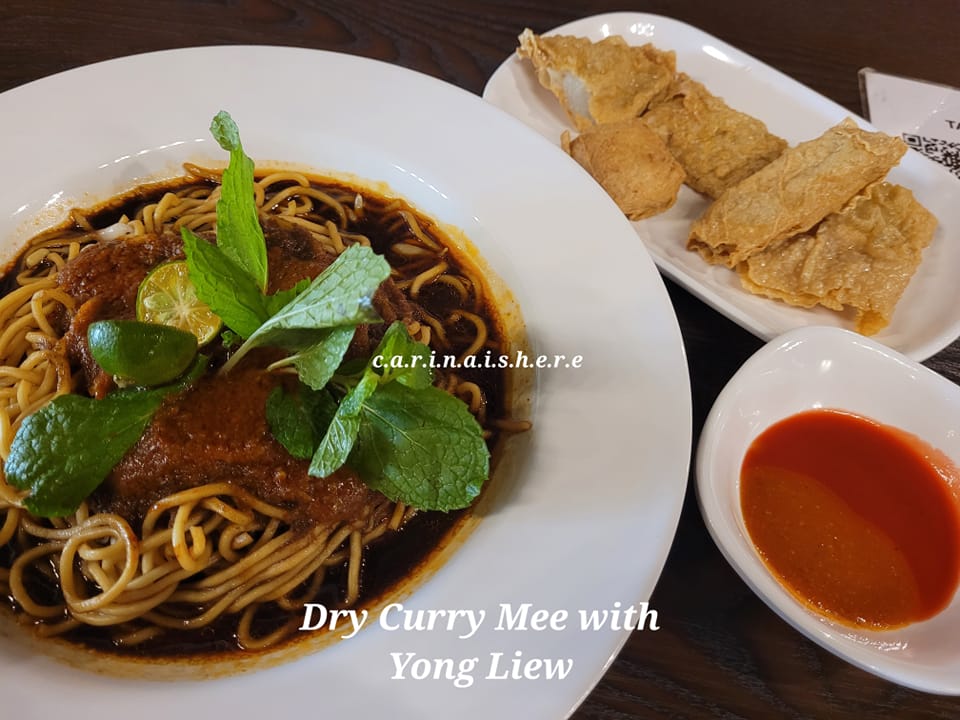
820,367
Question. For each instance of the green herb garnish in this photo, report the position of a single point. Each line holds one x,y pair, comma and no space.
229,291
63,451
231,276
298,420
342,295
421,447
341,435
317,364
407,439
239,234
401,358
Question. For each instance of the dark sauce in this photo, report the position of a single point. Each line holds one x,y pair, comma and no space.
393,559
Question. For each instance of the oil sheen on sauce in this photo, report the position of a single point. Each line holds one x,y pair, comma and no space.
858,520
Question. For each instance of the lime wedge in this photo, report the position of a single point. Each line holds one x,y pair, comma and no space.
168,297
141,353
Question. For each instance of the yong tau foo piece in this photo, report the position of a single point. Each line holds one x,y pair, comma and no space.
631,163
716,145
793,193
598,82
862,257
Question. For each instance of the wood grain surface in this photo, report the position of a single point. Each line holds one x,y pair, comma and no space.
720,653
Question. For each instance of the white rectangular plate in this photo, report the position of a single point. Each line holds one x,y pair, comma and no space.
927,318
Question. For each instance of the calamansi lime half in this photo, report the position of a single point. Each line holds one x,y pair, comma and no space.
168,297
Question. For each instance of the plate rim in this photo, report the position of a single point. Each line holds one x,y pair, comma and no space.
706,291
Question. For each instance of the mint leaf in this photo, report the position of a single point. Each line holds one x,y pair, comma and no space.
231,276
223,285
338,441
401,358
396,349
317,364
351,370
63,451
230,339
341,295
299,420
275,303
336,445
421,447
239,234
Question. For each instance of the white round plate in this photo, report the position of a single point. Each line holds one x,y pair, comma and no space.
925,320
588,517
831,368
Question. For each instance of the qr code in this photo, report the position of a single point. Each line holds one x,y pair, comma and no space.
942,151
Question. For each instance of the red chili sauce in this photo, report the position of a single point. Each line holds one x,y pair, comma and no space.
859,520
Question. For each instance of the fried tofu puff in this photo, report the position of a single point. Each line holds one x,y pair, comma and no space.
631,163
716,145
861,257
600,82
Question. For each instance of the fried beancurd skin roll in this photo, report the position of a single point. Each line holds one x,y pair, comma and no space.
716,145
600,82
793,193
861,257
631,163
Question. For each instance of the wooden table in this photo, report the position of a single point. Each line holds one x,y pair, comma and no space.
720,653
